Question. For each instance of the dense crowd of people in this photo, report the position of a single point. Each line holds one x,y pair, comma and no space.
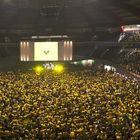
131,62
82,105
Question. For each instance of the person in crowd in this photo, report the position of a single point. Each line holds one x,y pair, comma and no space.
131,62
72,105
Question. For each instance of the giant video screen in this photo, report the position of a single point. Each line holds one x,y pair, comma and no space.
45,51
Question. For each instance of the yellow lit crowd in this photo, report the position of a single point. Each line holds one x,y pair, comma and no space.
82,105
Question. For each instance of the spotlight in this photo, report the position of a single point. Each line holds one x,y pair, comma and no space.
38,69
59,68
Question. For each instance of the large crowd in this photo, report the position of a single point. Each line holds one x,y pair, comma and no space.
131,62
82,105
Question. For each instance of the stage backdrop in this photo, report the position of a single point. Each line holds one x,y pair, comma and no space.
46,51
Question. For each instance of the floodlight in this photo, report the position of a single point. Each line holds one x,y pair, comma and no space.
59,68
38,69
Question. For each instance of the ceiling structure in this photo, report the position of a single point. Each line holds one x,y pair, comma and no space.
79,19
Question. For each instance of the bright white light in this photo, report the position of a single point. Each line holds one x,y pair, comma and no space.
75,63
27,43
84,62
65,44
27,58
53,36
71,43
24,59
90,61
87,62
34,37
129,28
21,58
46,51
68,43
108,68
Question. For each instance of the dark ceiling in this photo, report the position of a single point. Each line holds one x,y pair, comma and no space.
75,18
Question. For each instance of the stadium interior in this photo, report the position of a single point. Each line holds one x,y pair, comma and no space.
69,69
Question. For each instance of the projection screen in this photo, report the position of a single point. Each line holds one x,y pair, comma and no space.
46,51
